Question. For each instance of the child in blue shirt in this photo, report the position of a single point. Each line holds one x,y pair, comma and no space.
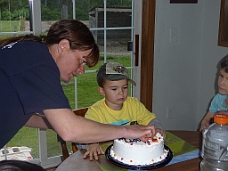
219,103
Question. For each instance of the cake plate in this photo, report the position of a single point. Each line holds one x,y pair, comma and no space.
140,167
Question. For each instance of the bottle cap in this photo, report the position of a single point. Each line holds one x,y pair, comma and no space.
221,119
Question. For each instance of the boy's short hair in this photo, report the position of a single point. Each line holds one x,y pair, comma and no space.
112,71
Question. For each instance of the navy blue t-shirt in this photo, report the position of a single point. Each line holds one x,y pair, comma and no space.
30,83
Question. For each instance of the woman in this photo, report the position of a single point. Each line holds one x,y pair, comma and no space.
31,93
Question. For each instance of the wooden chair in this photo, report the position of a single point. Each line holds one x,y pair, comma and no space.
80,112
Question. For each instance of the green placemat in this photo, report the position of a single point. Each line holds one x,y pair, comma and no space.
180,148
178,145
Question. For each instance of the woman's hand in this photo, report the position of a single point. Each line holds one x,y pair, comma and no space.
150,132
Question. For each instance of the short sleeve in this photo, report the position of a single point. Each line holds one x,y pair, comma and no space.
217,103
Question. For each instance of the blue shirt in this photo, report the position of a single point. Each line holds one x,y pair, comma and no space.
218,103
30,83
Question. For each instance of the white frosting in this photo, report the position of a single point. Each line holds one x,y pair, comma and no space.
139,153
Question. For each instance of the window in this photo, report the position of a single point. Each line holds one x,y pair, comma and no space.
13,15
111,22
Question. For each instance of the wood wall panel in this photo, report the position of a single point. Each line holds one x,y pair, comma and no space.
147,52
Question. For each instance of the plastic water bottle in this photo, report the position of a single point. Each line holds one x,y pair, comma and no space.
215,145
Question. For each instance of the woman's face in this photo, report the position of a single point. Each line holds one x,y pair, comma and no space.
70,62
73,64
223,82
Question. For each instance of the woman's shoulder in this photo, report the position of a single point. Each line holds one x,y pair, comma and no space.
24,45
30,43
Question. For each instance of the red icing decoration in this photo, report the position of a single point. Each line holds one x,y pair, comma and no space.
155,140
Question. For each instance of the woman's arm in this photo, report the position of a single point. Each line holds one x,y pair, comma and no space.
78,129
38,121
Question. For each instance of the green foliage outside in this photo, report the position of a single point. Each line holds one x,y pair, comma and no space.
51,9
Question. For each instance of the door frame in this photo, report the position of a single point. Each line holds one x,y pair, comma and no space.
147,52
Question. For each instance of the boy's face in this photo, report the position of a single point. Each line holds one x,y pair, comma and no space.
223,82
115,93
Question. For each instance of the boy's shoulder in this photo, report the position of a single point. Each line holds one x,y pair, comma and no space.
131,100
98,103
220,96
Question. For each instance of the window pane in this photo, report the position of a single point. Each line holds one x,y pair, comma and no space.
53,146
119,3
25,137
117,32
87,89
13,16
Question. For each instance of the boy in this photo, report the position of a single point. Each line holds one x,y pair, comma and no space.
117,108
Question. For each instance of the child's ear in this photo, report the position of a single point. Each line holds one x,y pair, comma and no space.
101,91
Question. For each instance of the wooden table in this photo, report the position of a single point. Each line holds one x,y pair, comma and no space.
76,162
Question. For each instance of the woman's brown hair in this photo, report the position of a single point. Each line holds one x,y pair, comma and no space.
79,36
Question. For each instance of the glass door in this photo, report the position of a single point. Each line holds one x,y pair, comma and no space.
112,24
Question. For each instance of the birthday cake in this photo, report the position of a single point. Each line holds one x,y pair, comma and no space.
137,152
